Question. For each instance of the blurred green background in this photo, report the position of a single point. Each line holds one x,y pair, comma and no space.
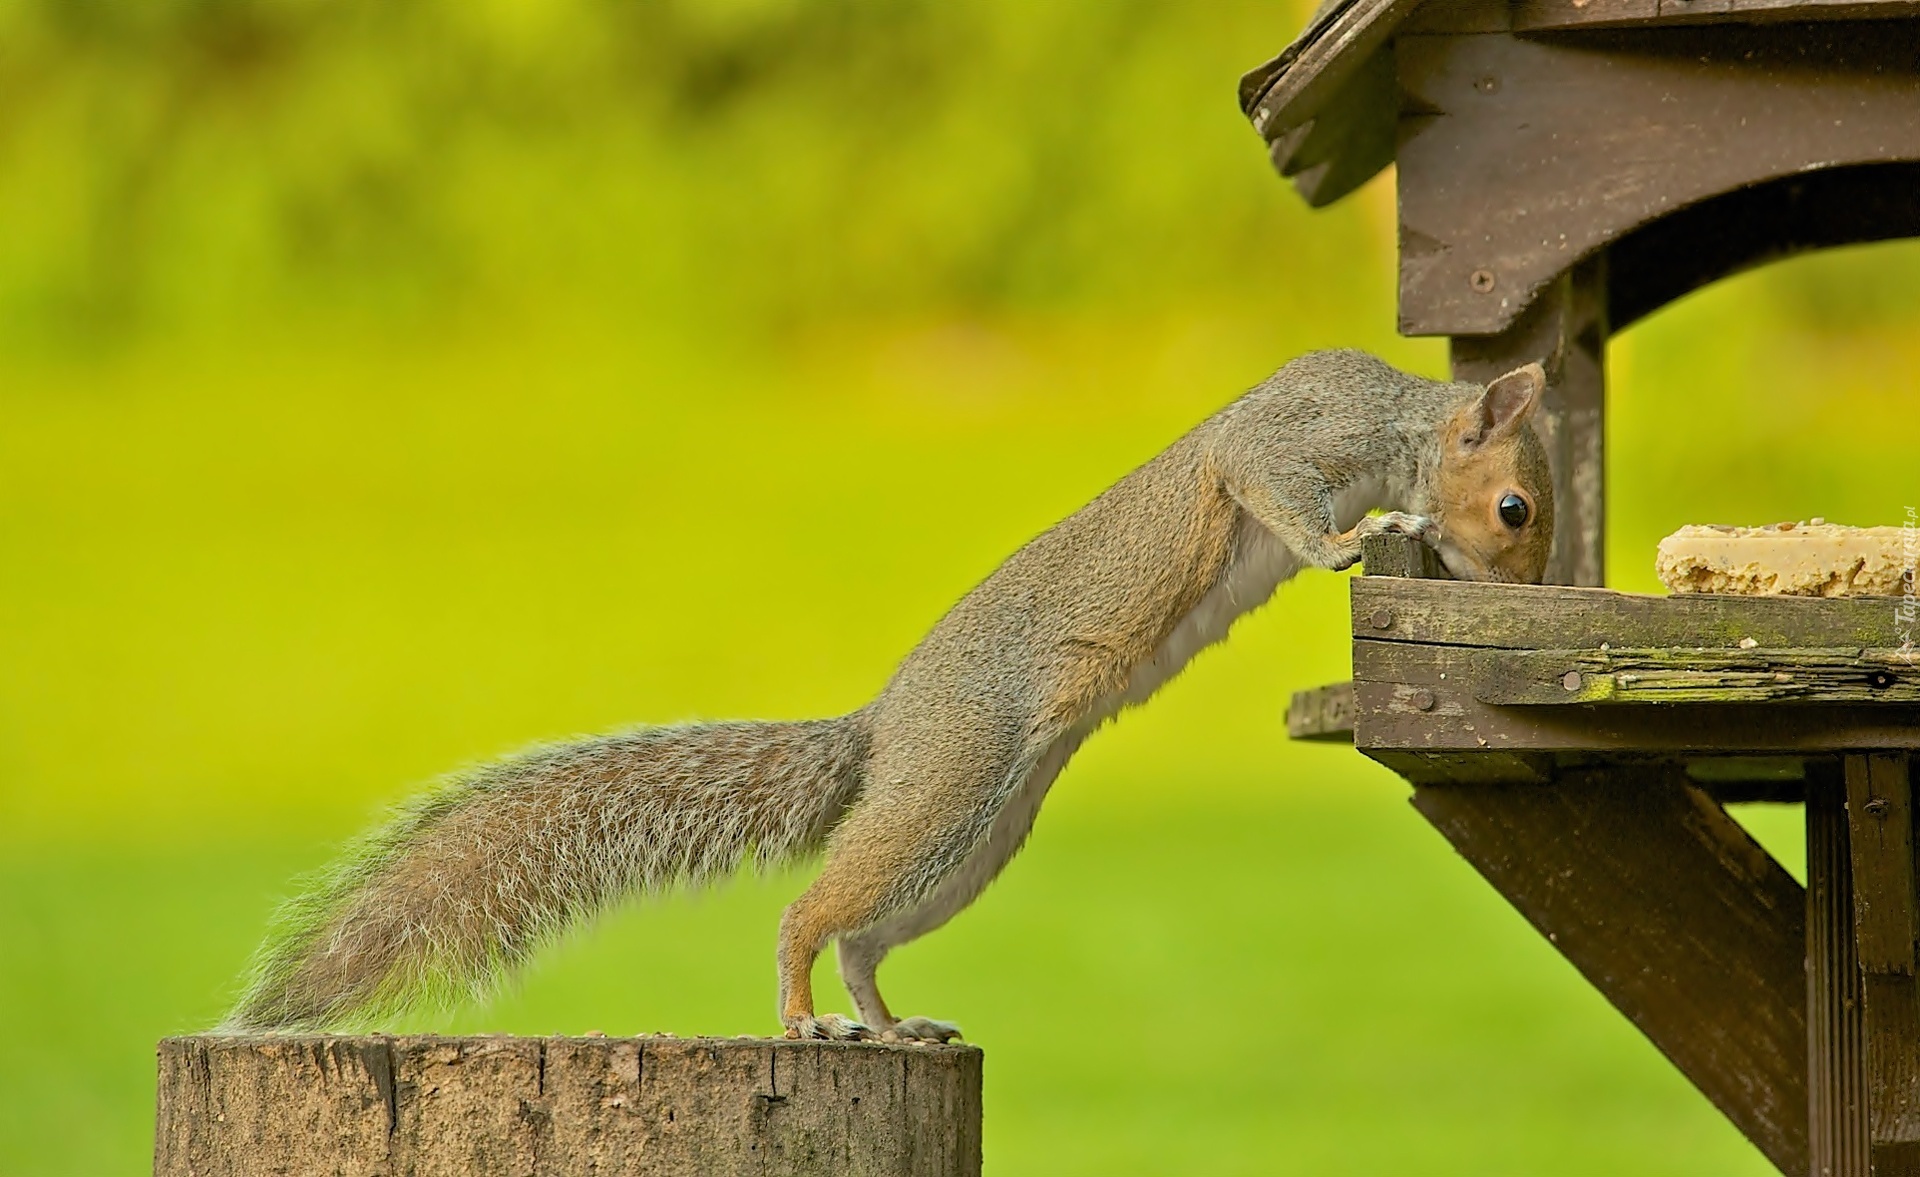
388,384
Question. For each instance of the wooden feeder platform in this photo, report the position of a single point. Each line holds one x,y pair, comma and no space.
1576,745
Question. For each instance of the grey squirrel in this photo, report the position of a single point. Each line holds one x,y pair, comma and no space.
920,797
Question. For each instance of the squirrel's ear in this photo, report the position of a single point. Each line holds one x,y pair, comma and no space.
1507,403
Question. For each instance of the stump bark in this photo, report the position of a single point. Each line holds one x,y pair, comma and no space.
479,1107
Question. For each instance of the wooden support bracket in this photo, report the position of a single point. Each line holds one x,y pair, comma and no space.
1673,912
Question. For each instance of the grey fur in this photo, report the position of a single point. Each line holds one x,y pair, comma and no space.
935,784
465,882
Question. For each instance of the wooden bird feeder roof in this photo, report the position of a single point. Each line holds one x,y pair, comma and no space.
1565,167
1534,133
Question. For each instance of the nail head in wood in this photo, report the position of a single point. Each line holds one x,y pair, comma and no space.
1886,922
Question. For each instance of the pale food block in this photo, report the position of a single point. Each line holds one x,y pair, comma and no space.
1817,559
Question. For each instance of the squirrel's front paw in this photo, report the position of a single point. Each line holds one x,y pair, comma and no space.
833,1027
1401,523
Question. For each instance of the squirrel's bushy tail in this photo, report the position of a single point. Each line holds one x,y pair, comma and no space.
467,881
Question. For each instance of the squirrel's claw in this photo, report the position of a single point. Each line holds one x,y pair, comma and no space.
832,1027
920,1030
1401,523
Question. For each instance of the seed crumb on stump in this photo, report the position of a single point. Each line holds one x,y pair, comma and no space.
1816,559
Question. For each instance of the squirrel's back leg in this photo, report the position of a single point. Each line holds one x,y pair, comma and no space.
902,863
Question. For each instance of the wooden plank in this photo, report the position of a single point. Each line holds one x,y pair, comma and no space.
1893,1072
1323,713
1540,768
1837,1132
258,1105
1534,617
1665,675
1532,15
1400,555
1881,833
1566,330
1880,819
1349,141
1536,16
1294,86
1414,697
1582,140
1673,912
1459,16
1468,768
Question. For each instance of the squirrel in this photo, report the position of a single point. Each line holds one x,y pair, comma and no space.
920,797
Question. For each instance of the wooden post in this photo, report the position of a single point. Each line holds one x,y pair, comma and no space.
1566,331
477,1107
1880,834
1836,1017
1399,555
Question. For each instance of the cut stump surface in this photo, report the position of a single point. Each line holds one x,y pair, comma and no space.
245,1106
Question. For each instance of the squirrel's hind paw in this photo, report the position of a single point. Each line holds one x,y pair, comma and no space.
920,1030
832,1027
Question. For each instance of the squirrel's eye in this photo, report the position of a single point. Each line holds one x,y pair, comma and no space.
1513,511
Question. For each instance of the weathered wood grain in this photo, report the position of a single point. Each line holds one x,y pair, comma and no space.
1400,555
1880,830
1530,15
1836,1005
1880,833
1296,85
1323,713
1414,697
1519,156
1664,676
1673,912
1467,768
1539,16
1554,617
476,1107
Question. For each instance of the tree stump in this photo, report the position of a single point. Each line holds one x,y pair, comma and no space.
476,1107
